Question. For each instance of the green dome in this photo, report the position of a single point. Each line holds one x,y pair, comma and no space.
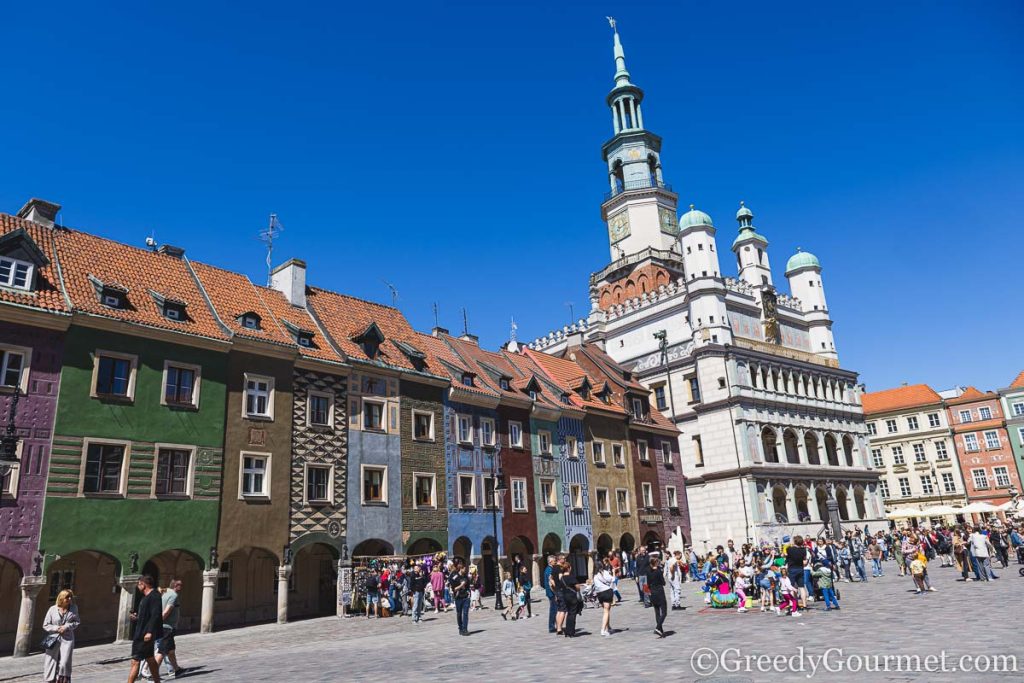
749,233
694,218
802,259
744,212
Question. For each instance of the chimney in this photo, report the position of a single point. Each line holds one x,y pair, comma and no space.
172,251
39,211
438,331
471,338
289,278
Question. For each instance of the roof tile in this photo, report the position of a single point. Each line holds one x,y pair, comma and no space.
48,295
898,398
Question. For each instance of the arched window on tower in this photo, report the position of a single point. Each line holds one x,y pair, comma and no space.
654,170
618,179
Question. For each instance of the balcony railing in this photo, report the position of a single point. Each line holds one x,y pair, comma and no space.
642,184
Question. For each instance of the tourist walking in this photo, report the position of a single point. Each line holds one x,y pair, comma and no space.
372,594
981,548
604,585
525,586
826,583
437,587
570,597
676,572
148,627
656,593
875,553
60,620
460,593
797,558
508,590
549,592
165,646
418,585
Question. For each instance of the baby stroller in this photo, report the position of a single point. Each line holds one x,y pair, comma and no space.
588,596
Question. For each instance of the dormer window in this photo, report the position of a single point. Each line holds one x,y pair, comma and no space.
112,300
172,312
638,408
250,321
415,356
565,398
16,274
170,308
110,294
370,340
533,395
504,384
302,336
305,340
467,379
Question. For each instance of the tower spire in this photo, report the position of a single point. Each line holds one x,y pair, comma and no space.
621,74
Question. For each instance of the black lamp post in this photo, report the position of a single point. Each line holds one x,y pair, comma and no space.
497,494
9,443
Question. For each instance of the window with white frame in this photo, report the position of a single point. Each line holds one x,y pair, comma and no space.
515,434
666,454
467,491
487,431
598,449
1018,409
255,479
15,273
872,428
622,501
638,408
259,396
671,497
985,413
912,423
883,488
181,384
375,484
980,478
1002,475
173,466
13,367
320,409
904,487
422,425
373,415
965,416
933,420
948,482
926,485
576,496
114,375
603,504
104,468
897,455
424,489
224,580
544,438
489,498
1020,435
465,429
941,452
992,439
890,426
572,447
617,458
919,455
971,442
547,493
641,451
659,397
648,494
519,500
318,484
876,457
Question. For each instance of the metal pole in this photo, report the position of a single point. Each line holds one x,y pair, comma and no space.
498,605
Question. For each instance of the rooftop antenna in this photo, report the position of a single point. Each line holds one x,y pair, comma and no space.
394,293
512,330
572,312
437,320
465,321
267,236
151,240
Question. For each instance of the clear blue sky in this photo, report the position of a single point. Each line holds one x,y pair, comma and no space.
455,150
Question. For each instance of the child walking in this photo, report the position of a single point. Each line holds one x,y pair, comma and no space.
740,586
826,582
789,593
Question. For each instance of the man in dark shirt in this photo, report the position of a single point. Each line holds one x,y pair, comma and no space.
149,626
417,584
459,584
372,593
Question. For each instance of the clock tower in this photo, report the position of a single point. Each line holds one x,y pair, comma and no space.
640,209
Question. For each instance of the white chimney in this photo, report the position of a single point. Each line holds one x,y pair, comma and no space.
289,278
39,211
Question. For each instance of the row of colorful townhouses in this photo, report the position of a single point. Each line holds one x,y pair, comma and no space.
173,418
950,448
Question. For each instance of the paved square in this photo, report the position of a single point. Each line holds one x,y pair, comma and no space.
882,617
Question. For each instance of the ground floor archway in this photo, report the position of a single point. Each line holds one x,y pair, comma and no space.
552,545
488,565
373,547
423,546
627,542
313,584
10,603
605,545
95,579
579,555
183,565
462,549
246,590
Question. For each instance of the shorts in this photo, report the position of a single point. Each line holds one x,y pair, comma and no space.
606,597
373,598
796,577
165,643
141,650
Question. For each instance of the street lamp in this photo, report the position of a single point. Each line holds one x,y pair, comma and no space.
497,494
9,444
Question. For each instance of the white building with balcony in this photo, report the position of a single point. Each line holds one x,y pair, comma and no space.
772,426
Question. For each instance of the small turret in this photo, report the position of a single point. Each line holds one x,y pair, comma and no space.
751,251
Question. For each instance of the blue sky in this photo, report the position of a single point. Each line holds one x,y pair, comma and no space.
454,150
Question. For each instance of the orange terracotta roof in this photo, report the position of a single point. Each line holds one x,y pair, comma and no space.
971,394
530,370
233,295
453,365
567,373
346,317
299,319
899,398
87,260
1019,382
48,295
487,362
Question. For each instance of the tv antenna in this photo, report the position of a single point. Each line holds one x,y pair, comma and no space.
267,236
394,293
437,321
512,330
572,312
465,321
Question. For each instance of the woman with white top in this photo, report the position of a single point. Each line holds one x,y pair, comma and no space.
604,584
62,620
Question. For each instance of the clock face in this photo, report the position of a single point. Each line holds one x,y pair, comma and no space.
618,226
669,223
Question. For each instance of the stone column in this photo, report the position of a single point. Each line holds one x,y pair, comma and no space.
30,586
126,601
632,112
640,121
791,511
538,573
209,595
590,564
283,572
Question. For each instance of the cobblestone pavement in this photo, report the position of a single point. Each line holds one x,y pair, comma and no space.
882,617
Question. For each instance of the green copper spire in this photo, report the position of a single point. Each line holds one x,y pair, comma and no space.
621,75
